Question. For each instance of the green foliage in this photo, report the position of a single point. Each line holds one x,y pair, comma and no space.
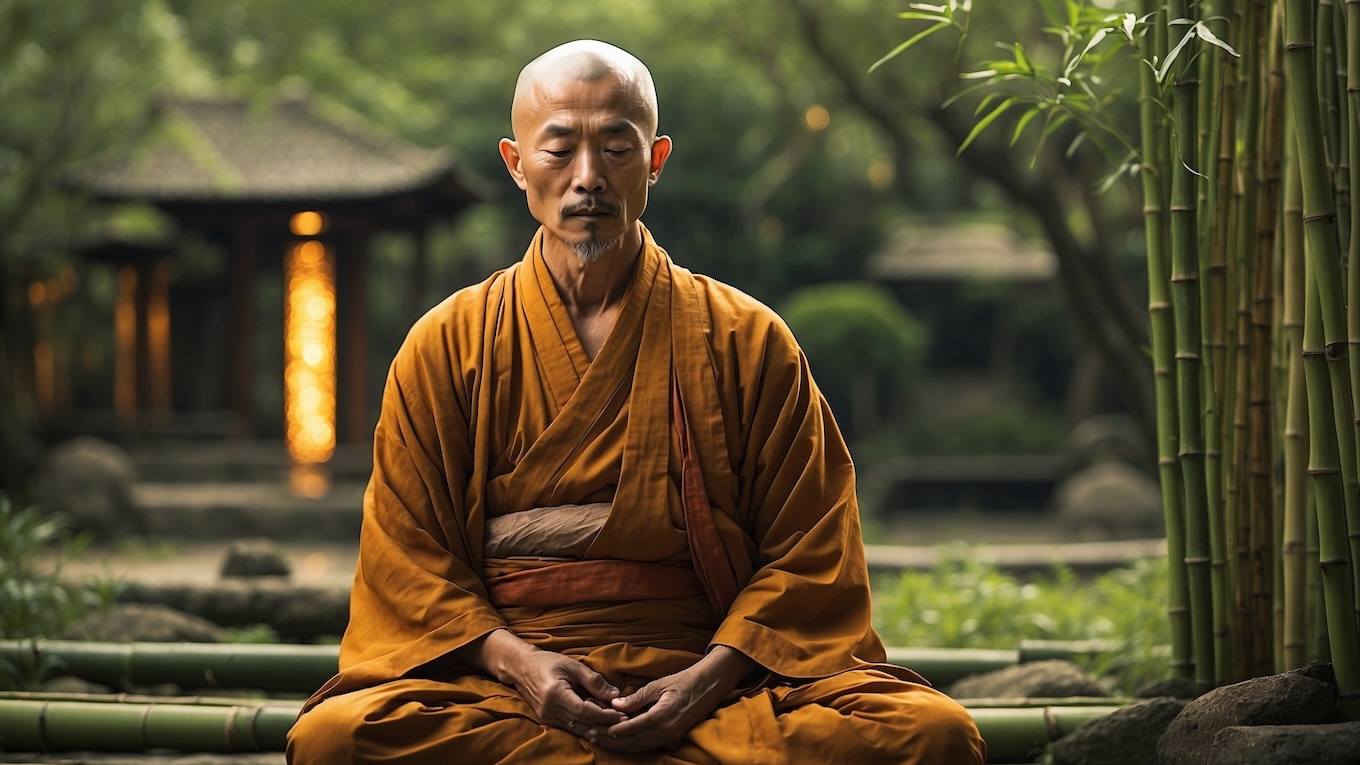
34,599
864,348
966,603
256,634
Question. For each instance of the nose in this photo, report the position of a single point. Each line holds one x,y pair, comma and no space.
587,177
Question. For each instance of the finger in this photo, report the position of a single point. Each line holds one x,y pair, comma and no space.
593,683
639,700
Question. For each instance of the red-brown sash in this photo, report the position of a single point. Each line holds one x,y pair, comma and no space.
705,546
592,581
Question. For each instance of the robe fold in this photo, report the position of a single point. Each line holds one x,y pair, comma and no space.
492,407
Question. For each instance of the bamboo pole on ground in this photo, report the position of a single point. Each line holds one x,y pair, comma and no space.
1013,733
1154,137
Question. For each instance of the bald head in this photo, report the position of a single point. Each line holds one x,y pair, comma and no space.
585,61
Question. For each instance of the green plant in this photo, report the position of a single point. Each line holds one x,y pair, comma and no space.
964,602
34,599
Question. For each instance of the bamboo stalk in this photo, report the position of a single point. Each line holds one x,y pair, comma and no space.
1323,258
1186,310
1352,15
1153,137
1294,623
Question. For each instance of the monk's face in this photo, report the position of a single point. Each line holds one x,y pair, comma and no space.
585,155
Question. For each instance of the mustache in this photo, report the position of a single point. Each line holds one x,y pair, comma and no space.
590,203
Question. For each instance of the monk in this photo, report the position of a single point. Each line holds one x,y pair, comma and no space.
611,519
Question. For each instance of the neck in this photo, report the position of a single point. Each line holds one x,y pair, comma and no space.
589,289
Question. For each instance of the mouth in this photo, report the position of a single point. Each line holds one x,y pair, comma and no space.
589,209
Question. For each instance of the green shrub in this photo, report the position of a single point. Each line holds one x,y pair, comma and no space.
34,600
866,351
966,603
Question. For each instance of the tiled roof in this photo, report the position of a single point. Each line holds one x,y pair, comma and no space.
226,151
961,252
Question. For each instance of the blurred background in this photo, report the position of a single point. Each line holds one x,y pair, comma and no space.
218,220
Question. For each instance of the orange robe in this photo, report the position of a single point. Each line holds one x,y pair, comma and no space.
491,406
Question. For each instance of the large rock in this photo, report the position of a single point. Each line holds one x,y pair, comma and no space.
1126,736
1035,679
1337,744
1111,499
90,481
136,622
1292,698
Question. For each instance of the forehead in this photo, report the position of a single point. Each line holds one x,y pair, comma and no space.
565,104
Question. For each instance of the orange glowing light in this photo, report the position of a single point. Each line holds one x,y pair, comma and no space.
37,293
817,118
309,352
308,223
125,343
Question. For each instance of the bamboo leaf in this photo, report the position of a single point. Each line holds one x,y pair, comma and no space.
919,36
1208,36
1095,40
1024,121
1175,52
985,121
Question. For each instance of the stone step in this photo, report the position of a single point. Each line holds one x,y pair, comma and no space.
223,510
164,461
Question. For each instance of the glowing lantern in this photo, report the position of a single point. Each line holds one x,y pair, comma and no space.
309,352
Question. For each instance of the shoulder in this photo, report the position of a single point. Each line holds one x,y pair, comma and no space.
739,320
450,335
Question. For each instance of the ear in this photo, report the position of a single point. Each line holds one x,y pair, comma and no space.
510,155
661,150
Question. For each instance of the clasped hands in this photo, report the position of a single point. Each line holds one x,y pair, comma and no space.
567,694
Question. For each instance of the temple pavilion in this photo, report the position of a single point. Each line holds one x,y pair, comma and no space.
286,193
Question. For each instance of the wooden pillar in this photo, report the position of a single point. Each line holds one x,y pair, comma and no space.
142,341
351,300
241,335
419,275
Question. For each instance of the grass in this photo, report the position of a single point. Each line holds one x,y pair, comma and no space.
966,603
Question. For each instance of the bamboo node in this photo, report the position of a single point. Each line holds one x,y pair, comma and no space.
1319,471
1324,217
1335,351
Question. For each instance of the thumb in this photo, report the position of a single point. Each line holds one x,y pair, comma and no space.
594,683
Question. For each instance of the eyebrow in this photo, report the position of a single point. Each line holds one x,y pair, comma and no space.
619,127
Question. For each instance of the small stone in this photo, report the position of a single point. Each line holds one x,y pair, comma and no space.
1034,679
144,622
254,557
72,684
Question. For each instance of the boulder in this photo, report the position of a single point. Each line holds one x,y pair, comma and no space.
89,481
1292,698
1035,679
135,622
1124,737
1175,687
1111,499
1336,744
254,557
